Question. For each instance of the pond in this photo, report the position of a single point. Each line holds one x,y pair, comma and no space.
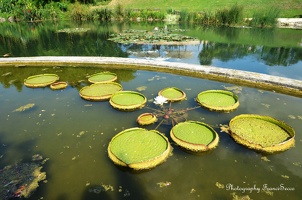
74,133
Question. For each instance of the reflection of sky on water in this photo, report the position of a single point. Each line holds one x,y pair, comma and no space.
250,61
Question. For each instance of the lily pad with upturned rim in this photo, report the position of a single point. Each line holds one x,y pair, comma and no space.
102,77
172,94
218,100
146,119
138,148
262,133
58,85
100,91
194,136
41,80
127,100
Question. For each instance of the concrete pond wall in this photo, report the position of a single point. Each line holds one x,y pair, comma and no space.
262,81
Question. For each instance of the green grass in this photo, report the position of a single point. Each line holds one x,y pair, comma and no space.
288,8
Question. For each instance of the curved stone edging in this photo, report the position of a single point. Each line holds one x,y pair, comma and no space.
268,82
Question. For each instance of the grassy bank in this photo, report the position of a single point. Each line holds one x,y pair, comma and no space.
227,12
288,8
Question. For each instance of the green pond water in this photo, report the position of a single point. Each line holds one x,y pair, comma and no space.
74,134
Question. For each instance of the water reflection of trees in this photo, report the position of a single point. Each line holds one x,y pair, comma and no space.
44,40
269,55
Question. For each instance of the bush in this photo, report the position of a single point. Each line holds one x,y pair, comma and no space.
229,16
102,14
79,11
263,19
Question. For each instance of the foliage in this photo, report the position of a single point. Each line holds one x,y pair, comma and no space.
229,16
265,18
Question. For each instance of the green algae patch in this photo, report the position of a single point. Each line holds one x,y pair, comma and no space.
172,94
127,100
146,119
194,136
102,77
262,133
100,91
139,148
21,179
218,100
25,107
41,80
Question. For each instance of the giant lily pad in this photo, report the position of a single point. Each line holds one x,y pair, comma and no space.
128,100
41,80
262,133
102,77
139,148
218,100
100,91
172,94
194,136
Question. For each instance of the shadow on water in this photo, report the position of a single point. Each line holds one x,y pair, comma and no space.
126,187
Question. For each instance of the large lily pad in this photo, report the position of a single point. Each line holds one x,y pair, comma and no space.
139,148
172,94
102,77
262,133
218,100
100,91
41,80
194,136
128,100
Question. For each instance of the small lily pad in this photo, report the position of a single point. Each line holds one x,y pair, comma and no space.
146,119
58,85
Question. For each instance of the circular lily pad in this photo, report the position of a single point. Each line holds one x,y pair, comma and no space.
58,85
139,148
41,80
102,77
100,91
146,119
262,133
172,94
218,100
128,100
194,136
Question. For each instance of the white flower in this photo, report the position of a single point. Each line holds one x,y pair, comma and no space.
160,100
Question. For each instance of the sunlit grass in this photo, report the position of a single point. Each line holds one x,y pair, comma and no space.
288,8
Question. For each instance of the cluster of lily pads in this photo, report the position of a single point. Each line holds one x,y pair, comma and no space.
44,80
139,148
156,36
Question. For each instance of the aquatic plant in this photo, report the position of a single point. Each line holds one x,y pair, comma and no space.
21,179
157,36
168,115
